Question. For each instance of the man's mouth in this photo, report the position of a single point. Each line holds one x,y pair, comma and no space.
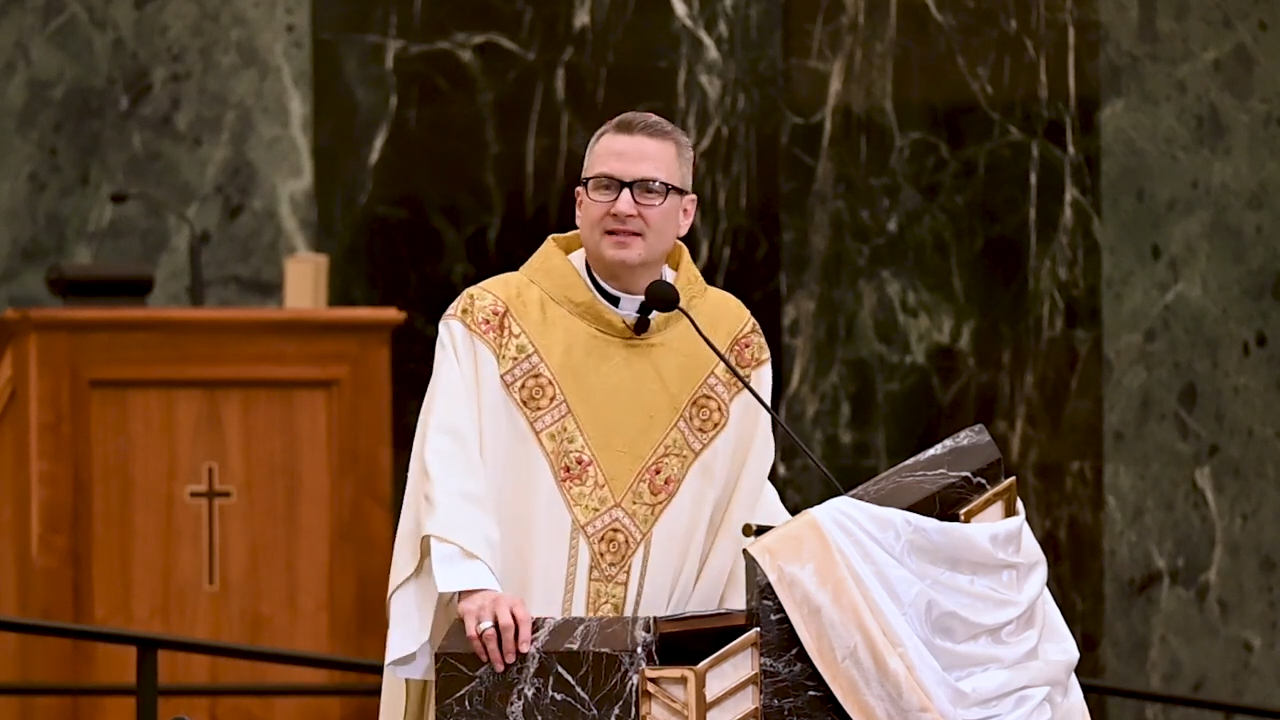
622,233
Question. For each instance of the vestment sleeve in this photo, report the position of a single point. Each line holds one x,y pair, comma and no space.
446,506
760,503
457,570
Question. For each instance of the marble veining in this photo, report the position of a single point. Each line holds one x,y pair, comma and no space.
940,260
203,107
942,480
576,668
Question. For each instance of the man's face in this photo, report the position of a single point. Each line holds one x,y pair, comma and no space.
630,231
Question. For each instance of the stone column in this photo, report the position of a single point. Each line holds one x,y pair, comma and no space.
1191,311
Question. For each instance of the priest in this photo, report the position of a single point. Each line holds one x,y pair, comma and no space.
576,454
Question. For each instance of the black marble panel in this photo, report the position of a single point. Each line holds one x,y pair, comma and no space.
450,136
940,259
942,480
576,668
790,684
590,667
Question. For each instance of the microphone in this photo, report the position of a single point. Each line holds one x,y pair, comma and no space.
663,297
199,238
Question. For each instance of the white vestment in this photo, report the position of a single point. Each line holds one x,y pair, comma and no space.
481,484
909,618
456,569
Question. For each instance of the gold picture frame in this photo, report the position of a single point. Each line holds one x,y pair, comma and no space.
1005,494
725,686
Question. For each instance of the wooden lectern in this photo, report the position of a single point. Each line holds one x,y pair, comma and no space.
216,473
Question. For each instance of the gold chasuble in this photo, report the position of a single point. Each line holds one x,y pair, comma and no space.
594,472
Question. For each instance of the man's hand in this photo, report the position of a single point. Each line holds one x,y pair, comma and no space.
497,625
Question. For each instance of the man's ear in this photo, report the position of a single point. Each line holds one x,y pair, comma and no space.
688,207
577,206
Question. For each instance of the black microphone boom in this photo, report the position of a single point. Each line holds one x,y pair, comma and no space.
663,297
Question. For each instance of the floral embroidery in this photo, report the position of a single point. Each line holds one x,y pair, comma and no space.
616,547
749,350
487,316
536,393
662,476
581,481
615,527
706,414
488,321
605,596
574,468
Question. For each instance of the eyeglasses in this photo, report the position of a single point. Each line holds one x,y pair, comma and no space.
645,192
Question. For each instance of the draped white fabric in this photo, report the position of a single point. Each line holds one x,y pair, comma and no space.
910,617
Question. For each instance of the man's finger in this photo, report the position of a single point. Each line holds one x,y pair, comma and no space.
490,639
506,624
524,626
469,623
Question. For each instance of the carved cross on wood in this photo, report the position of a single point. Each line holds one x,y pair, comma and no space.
209,494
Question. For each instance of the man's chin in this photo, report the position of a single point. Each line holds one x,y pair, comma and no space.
625,251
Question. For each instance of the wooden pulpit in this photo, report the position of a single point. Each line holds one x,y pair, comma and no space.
217,473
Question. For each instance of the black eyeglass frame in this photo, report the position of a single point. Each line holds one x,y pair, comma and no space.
627,186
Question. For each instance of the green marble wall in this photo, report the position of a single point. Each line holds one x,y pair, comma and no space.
205,105
1191,311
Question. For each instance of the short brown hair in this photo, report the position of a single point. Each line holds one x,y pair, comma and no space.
646,124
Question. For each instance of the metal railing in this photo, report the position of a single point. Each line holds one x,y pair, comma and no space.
147,688
1106,689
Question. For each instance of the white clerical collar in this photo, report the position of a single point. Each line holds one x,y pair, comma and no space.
626,305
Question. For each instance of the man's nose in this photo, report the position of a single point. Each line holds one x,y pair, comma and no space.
625,204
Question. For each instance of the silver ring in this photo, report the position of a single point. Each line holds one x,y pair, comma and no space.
482,627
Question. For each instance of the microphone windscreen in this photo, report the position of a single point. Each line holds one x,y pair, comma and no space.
662,296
